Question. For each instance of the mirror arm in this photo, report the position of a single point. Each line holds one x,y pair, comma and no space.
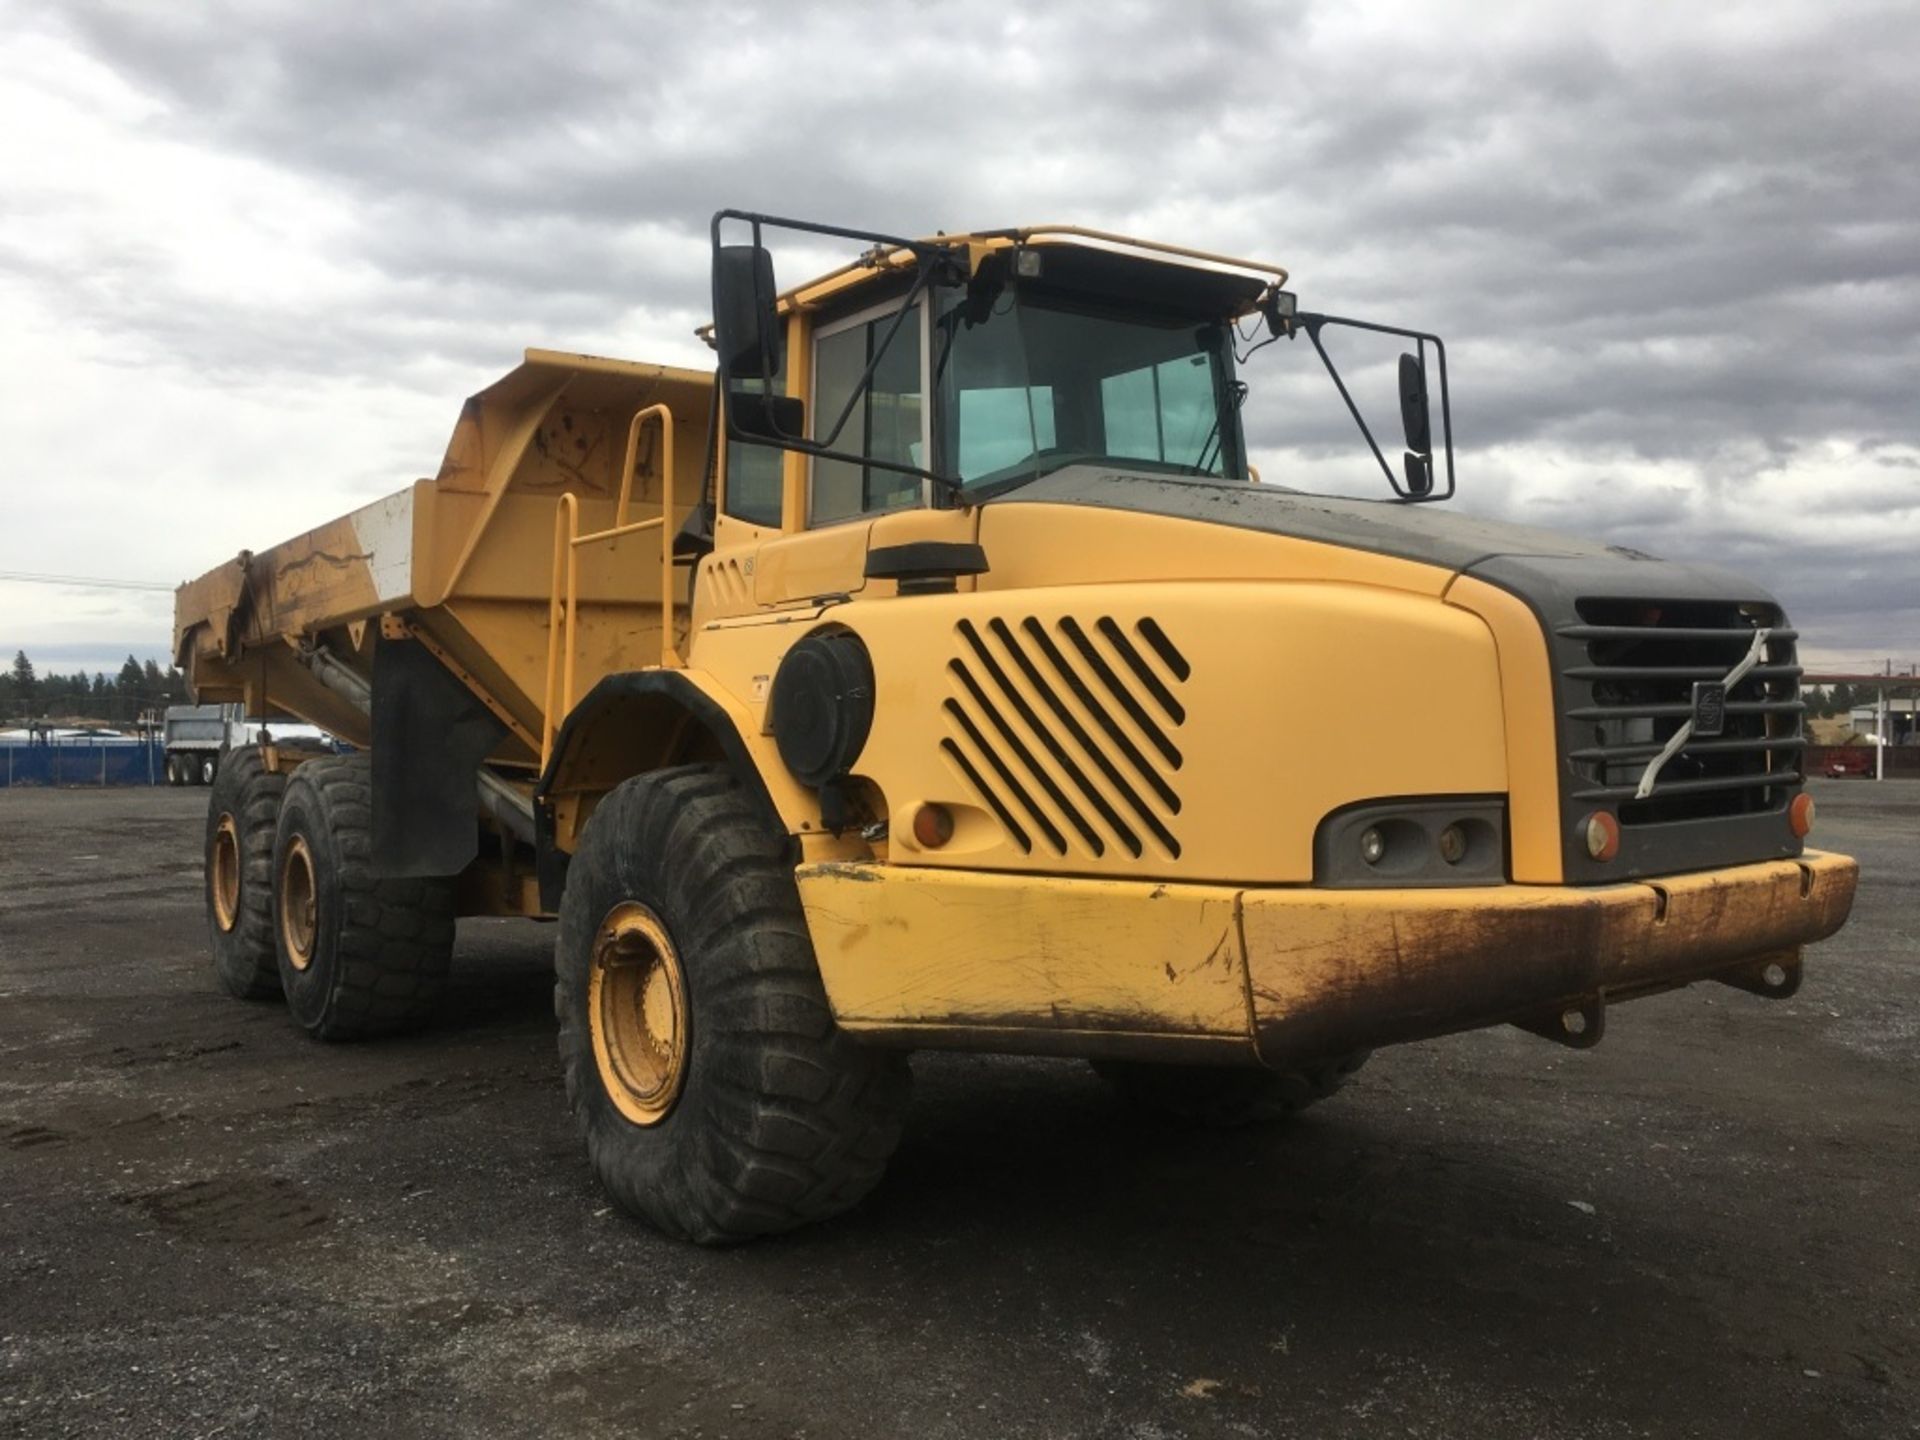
1446,413
927,269
924,255
1312,323
921,248
820,451
921,282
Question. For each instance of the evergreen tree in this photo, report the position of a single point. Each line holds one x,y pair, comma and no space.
22,681
127,698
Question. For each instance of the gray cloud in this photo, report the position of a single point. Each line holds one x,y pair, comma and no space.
1679,248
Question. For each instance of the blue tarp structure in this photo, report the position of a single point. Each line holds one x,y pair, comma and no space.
115,762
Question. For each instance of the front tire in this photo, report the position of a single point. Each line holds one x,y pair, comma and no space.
209,768
358,955
1225,1098
241,815
717,1098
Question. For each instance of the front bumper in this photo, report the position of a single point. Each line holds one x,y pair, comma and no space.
991,961
1347,970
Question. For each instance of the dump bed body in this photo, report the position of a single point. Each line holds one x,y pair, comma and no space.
464,562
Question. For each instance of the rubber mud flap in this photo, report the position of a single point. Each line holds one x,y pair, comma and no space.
430,735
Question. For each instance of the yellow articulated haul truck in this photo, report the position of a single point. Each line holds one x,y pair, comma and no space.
936,672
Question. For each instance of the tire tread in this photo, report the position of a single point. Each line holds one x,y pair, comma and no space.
395,940
795,1120
243,958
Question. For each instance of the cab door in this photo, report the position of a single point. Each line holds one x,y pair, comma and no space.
841,502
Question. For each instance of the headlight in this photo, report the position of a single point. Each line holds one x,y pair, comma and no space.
1413,843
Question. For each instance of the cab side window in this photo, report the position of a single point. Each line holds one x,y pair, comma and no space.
754,472
887,423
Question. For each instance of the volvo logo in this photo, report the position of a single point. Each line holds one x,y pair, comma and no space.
1709,715
1709,707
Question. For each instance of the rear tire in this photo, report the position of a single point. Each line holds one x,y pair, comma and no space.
238,882
748,1111
1224,1098
357,955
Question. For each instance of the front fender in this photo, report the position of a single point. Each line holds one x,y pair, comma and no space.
644,720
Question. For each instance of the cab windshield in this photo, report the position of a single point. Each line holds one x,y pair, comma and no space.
1041,382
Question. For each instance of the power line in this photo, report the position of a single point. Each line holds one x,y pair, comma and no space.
85,582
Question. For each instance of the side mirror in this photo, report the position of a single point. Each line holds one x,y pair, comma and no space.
1419,473
1413,405
753,415
746,320
1279,307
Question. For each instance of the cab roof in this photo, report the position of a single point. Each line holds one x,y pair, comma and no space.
1074,257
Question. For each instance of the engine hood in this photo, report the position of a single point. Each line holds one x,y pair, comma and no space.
1427,534
1659,627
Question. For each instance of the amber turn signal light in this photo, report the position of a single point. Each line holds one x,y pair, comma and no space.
1800,814
1603,835
933,826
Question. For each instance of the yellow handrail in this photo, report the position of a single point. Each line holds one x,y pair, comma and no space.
640,417
669,653
564,589
566,526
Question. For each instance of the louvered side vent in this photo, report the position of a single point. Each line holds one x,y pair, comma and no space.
731,588
1635,691
1069,732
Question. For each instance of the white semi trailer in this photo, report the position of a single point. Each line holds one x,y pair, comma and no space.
199,736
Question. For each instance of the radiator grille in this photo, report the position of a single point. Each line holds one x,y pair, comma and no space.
1069,731
1632,689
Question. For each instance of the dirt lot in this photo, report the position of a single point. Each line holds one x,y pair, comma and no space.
210,1226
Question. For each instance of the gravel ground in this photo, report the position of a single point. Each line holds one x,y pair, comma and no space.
210,1226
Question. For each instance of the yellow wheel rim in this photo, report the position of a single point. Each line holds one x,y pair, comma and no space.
637,1010
225,873
299,903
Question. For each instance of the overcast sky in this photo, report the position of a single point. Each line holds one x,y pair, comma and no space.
253,255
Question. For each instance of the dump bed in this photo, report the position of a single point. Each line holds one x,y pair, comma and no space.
465,563
199,726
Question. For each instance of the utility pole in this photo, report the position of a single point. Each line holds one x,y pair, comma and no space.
1880,749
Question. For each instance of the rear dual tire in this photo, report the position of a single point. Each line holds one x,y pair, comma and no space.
717,1097
356,955
238,887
